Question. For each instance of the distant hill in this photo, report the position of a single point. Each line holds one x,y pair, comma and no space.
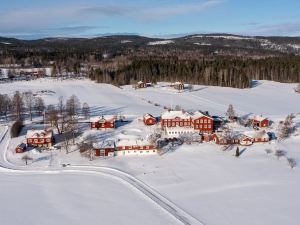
223,44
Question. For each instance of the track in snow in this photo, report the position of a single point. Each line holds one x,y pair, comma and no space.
153,195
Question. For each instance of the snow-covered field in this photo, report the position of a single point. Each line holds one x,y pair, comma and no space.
209,184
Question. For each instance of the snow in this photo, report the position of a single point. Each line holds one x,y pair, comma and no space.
202,44
165,42
5,43
208,183
224,37
74,199
125,41
175,114
104,117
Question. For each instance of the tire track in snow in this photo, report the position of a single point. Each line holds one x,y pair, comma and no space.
143,188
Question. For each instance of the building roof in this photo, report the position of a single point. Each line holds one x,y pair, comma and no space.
175,114
39,134
132,142
198,114
256,134
148,115
104,144
259,118
107,118
140,82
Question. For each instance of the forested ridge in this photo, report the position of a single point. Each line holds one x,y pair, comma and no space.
127,59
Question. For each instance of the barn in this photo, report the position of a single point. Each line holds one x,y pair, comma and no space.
105,148
103,122
21,148
140,84
134,147
260,121
177,85
40,138
149,120
260,136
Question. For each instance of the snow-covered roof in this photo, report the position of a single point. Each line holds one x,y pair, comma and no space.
140,82
104,144
39,134
256,134
132,142
107,118
148,115
198,114
259,118
175,114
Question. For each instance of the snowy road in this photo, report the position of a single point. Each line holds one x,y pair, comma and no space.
139,186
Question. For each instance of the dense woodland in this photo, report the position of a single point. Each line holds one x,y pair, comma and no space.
107,60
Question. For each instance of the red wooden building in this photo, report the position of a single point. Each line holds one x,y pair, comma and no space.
103,122
149,120
197,120
105,148
40,138
21,148
260,121
134,147
202,122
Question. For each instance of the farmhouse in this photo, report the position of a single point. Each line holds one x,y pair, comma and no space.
176,119
40,138
202,122
177,85
103,122
257,136
260,121
21,148
105,148
134,147
198,121
149,120
221,138
175,132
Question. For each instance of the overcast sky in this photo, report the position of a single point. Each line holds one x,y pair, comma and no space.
31,19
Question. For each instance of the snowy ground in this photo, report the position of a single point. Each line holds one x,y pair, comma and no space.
208,183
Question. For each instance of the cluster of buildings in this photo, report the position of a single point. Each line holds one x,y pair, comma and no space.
18,71
141,84
37,138
172,124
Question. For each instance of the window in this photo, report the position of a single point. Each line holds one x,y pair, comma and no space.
209,126
200,126
29,140
205,126
205,121
201,121
208,121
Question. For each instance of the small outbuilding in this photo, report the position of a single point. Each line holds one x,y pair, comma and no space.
21,148
260,122
149,120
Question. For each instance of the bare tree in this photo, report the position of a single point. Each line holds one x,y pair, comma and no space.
178,108
39,105
26,158
86,110
18,104
279,153
86,147
5,105
66,137
230,112
29,101
72,105
53,118
292,162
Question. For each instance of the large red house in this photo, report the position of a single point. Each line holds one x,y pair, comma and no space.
40,138
196,120
202,122
260,121
149,120
103,122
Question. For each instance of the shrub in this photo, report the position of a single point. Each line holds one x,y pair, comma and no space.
16,128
